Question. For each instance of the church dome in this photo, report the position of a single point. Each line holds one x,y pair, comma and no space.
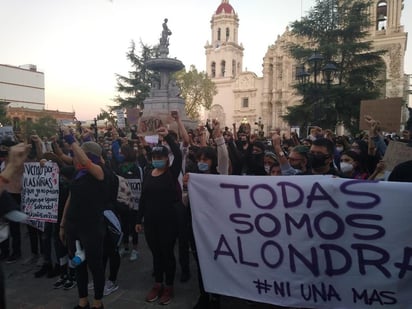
225,8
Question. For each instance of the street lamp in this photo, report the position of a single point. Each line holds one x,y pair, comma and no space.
318,67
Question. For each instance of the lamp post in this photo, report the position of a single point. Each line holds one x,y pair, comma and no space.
314,75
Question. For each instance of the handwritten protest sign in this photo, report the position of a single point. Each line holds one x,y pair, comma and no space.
397,152
40,194
304,241
149,124
136,188
121,122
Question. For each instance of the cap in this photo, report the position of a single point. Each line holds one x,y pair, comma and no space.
259,145
93,148
160,150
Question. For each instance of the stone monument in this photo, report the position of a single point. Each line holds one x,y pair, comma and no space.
165,94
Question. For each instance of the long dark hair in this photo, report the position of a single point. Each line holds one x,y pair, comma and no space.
208,153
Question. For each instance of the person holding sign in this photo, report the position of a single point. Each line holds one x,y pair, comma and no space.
160,193
83,217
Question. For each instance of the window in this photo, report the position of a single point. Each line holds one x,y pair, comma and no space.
223,68
233,67
213,69
381,15
227,34
218,34
245,102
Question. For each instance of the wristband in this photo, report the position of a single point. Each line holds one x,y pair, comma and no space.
4,179
69,139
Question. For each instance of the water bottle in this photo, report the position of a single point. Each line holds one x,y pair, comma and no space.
79,256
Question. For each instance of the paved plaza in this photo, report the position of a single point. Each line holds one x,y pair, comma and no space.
23,291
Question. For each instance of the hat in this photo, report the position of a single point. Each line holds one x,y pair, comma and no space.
270,154
259,145
93,148
9,208
160,150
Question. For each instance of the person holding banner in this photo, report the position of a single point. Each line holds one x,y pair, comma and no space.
160,195
83,218
209,161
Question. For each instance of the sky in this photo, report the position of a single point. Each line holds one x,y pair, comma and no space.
81,44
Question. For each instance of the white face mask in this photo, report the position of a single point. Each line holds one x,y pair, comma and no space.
346,167
267,168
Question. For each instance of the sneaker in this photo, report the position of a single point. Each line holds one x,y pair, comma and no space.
154,293
13,258
133,255
60,282
110,287
90,286
167,295
123,251
69,284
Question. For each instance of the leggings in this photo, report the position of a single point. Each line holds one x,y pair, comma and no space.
111,253
161,237
92,241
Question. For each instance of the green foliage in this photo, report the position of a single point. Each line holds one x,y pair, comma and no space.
197,89
45,126
136,86
339,33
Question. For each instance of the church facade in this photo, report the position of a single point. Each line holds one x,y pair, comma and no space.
245,97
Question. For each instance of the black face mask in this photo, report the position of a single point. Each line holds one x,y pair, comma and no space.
317,161
3,154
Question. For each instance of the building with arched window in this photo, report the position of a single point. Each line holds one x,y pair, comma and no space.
244,96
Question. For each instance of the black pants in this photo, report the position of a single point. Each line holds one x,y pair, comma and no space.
15,233
183,237
161,237
92,241
111,254
128,227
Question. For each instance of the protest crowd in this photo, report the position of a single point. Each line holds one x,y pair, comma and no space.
105,190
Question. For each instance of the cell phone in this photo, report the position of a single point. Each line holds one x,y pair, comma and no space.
173,113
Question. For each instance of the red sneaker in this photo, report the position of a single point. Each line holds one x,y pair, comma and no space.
167,295
154,292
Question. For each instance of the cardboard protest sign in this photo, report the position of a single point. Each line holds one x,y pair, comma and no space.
387,111
40,193
148,125
396,152
304,241
133,115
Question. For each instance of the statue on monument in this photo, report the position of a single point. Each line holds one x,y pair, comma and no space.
164,40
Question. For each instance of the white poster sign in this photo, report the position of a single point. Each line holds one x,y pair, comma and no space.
136,188
304,241
121,122
40,194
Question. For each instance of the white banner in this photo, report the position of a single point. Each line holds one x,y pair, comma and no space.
40,194
304,241
121,122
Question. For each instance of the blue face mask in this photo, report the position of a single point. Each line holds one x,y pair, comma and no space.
158,163
202,166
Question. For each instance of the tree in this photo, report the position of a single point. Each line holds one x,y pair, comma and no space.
197,89
44,126
338,30
136,86
4,120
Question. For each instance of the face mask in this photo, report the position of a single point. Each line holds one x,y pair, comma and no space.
317,161
158,163
346,167
296,166
267,169
202,166
339,149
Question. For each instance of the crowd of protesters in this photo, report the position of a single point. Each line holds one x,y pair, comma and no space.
89,163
